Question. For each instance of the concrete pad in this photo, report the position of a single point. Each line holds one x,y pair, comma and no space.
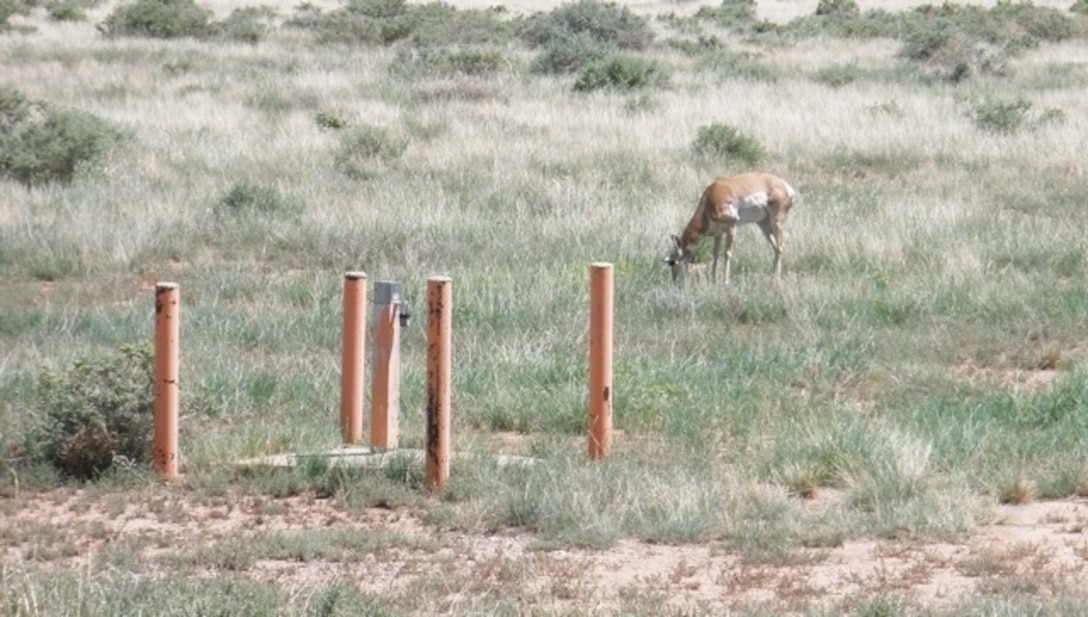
364,456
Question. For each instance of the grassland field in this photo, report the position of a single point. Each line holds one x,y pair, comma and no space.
919,374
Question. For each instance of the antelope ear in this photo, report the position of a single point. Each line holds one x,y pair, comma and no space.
676,240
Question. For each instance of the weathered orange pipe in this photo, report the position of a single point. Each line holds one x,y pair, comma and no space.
164,447
600,360
439,327
385,386
353,358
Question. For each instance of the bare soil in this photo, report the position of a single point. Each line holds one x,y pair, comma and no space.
1039,548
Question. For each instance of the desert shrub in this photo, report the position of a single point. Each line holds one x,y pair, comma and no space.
413,61
437,24
736,15
1006,117
1028,24
997,116
839,75
951,52
329,121
249,24
577,35
10,8
1080,7
603,23
66,11
956,38
722,142
385,22
620,72
964,39
160,19
365,150
838,9
741,65
569,54
245,199
95,414
40,143
307,16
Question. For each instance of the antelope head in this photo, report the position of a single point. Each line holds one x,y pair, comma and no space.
678,261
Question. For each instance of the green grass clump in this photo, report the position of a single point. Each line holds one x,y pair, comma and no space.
365,150
246,199
1008,116
442,61
724,143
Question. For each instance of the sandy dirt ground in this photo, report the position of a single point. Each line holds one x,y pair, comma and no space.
1036,548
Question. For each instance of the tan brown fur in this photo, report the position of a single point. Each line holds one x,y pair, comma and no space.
726,203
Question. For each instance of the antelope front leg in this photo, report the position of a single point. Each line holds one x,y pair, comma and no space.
714,264
730,236
773,233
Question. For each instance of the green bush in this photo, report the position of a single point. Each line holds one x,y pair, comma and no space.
248,24
66,11
736,15
385,22
1006,117
9,8
250,199
620,72
838,9
439,25
569,54
722,142
962,39
40,144
329,121
160,19
96,414
414,61
603,23
839,75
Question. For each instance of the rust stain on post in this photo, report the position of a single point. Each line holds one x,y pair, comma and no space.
164,449
439,334
352,362
600,360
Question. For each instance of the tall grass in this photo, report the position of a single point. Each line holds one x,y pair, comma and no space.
931,267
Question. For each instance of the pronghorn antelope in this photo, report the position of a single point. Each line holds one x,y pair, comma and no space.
759,198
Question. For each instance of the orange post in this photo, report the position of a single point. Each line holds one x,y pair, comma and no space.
385,386
600,360
439,326
164,448
352,360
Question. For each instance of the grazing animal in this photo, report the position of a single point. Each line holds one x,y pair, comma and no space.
760,198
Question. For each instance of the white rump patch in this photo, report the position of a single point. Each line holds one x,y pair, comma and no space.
750,208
